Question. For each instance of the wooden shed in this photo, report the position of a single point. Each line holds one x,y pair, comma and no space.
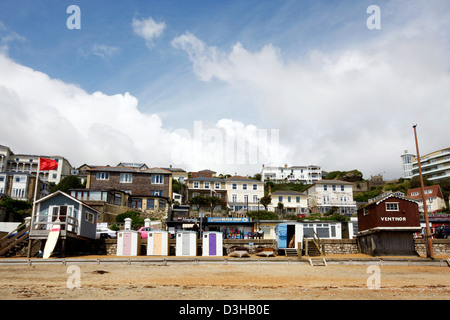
386,225
77,219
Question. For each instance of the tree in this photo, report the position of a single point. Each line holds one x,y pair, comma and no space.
265,201
67,183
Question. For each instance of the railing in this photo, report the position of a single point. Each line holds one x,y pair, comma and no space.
14,238
68,223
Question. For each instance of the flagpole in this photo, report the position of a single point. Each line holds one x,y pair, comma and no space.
36,183
428,241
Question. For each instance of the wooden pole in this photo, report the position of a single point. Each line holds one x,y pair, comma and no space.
36,183
428,242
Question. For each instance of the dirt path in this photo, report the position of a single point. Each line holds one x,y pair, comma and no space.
222,282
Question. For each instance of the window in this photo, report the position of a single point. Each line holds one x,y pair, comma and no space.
89,217
289,198
342,187
244,186
280,198
126,178
428,191
234,197
414,194
136,203
391,206
234,186
156,193
217,185
255,199
102,176
245,198
162,204
334,187
255,187
196,184
325,187
297,199
150,204
206,185
158,179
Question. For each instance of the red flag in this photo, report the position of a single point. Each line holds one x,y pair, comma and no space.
47,164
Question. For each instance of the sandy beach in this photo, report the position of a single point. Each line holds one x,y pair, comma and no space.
222,282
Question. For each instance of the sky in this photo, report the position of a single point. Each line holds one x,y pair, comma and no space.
226,85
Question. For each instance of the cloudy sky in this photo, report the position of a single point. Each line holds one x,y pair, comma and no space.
225,85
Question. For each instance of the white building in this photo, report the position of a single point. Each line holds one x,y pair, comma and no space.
297,174
326,194
293,201
407,159
244,194
435,165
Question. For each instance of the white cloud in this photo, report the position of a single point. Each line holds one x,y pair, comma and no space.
100,50
148,29
41,115
353,108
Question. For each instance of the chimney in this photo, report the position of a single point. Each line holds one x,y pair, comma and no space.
285,166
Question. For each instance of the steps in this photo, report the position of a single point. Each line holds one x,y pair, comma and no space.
318,262
312,249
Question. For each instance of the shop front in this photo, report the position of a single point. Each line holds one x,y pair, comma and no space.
231,228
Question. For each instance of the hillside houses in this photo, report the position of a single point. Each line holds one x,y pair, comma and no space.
112,190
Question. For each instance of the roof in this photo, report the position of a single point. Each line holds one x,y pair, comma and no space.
435,192
211,179
325,181
244,179
66,195
386,196
129,170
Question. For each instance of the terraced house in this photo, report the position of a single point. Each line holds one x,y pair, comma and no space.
149,190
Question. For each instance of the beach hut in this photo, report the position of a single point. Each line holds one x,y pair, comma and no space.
212,243
186,243
387,225
289,235
128,241
158,243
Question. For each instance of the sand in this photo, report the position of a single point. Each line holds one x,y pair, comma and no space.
223,282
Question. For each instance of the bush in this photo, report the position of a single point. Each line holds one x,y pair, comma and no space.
136,219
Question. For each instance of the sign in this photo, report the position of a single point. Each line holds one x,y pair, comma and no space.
234,220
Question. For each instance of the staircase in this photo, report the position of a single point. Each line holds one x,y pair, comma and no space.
9,246
313,248
318,262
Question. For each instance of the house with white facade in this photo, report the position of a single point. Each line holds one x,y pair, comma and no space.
293,202
325,194
295,174
244,194
433,196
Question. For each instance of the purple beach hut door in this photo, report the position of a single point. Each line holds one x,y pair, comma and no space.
212,244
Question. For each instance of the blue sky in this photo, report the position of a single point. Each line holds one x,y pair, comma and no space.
310,69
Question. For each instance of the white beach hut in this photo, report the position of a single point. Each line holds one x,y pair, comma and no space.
186,243
128,241
158,243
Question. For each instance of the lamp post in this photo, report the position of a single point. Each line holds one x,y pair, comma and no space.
428,242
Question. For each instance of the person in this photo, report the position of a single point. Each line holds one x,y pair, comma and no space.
260,234
196,228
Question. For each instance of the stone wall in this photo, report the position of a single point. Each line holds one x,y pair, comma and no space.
440,246
343,246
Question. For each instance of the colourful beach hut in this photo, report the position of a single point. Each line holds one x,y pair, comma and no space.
212,243
186,243
158,243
